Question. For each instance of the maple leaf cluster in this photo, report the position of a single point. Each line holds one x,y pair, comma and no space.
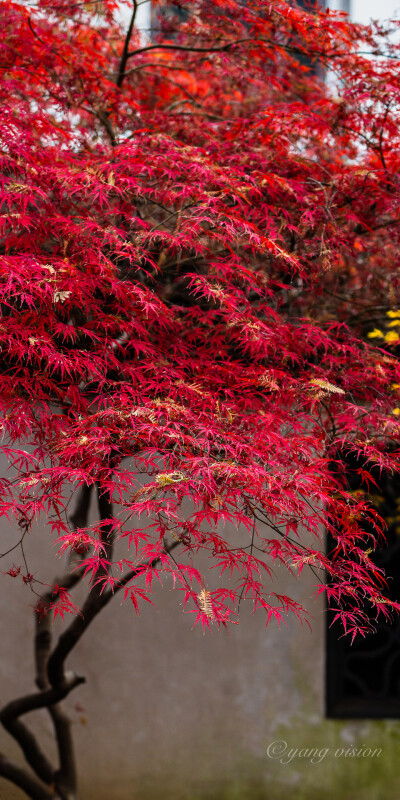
196,232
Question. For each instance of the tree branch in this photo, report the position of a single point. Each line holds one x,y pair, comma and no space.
34,755
106,512
31,702
25,738
18,776
103,118
67,641
54,683
80,515
187,48
125,53
67,774
93,604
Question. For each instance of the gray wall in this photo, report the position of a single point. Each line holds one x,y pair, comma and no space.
167,711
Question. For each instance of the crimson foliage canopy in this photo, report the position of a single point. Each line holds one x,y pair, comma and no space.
198,232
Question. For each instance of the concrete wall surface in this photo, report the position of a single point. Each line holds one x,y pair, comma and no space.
169,712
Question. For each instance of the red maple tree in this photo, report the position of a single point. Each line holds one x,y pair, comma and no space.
198,233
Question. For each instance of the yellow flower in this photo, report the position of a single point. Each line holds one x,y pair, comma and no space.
391,336
396,412
374,334
393,314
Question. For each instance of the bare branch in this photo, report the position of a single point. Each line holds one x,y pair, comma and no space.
32,702
17,775
27,741
67,774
